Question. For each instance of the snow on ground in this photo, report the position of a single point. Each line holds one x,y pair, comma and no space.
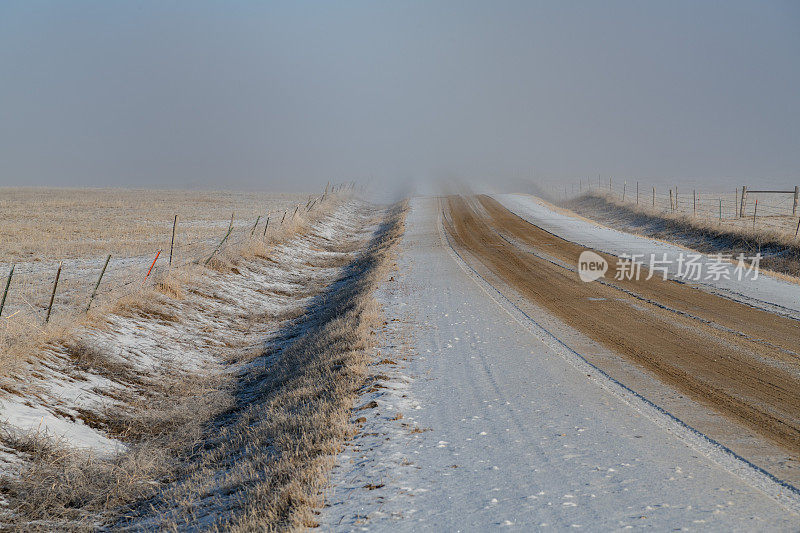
512,431
766,292
223,311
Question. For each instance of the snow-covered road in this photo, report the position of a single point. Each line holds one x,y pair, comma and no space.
766,292
513,430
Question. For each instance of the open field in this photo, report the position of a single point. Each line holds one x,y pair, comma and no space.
104,417
81,227
431,366
46,224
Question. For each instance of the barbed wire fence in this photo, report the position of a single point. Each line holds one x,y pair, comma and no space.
741,208
34,292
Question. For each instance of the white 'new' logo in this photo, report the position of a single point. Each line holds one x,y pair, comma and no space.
591,266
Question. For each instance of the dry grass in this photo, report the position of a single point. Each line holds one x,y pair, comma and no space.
269,457
42,224
253,445
93,214
80,227
780,250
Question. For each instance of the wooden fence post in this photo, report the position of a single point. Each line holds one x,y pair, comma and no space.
796,196
671,205
654,196
283,217
720,210
5,292
252,231
637,193
53,295
743,202
96,285
171,243
755,209
225,238
265,227
694,202
624,186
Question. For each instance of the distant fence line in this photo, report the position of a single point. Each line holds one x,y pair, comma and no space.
198,253
776,209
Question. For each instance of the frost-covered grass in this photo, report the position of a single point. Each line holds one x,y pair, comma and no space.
81,227
780,249
132,400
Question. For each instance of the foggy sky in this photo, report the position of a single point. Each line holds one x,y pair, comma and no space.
286,96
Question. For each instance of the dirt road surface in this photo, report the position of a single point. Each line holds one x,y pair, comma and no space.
505,425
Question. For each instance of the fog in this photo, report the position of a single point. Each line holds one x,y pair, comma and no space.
400,95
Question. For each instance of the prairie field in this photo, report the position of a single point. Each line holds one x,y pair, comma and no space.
103,410
48,224
80,228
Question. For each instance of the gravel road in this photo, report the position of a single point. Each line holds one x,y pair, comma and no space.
503,427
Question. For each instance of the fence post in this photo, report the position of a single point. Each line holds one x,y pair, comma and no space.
265,227
53,295
624,186
96,285
671,204
258,219
283,217
225,238
735,201
755,210
637,193
694,202
798,228
743,202
5,292
654,196
171,243
796,196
